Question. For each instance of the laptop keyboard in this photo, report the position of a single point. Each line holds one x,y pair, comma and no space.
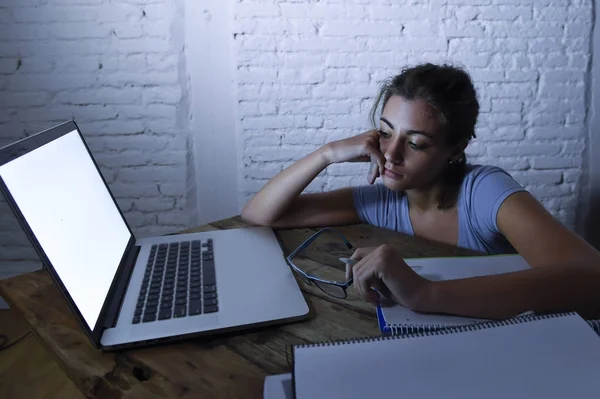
179,281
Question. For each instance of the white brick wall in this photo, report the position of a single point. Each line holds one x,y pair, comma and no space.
117,69
308,71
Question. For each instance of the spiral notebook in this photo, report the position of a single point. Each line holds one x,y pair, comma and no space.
400,320
531,356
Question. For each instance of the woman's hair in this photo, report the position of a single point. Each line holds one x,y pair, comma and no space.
451,95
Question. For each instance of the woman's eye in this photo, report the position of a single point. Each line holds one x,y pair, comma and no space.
417,146
384,134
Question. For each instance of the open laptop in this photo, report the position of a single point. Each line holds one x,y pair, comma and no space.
126,291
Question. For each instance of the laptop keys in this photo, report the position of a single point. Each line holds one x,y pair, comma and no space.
179,281
180,311
164,314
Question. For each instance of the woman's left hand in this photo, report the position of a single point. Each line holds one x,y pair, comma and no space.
384,270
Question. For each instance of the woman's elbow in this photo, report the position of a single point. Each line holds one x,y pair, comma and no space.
251,217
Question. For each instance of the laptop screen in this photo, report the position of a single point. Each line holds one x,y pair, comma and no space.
62,197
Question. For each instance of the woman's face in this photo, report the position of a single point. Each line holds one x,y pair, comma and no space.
413,143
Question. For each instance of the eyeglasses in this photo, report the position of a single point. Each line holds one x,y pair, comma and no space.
334,288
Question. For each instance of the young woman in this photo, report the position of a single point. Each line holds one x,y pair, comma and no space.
428,117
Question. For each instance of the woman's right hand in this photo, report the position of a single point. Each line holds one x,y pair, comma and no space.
361,148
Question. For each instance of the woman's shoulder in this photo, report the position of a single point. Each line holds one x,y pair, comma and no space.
477,174
487,181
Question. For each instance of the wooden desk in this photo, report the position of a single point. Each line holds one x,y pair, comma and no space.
230,365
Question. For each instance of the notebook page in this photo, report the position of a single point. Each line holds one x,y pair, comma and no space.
438,269
548,358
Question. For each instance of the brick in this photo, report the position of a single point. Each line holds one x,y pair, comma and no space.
506,106
343,91
467,29
510,90
557,90
149,111
152,174
577,29
499,150
12,99
125,204
262,141
162,94
112,127
51,82
545,45
508,13
172,189
549,60
256,9
563,76
257,42
522,76
123,62
256,75
573,147
335,28
502,133
143,142
579,61
572,176
123,159
54,14
555,132
555,163
486,75
153,204
552,191
421,28
136,46
269,122
529,177
292,44
346,75
470,2
306,75
547,119
121,12
99,96
511,164
575,117
326,11
121,79
134,190
304,137
553,14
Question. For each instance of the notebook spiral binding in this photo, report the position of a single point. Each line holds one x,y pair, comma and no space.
440,329
444,329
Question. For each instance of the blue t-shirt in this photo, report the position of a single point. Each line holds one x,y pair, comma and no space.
481,193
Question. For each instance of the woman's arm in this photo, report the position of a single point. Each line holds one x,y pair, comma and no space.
279,203
565,272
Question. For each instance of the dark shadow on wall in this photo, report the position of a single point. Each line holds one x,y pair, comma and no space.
592,221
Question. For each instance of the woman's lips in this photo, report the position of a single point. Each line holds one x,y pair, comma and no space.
392,175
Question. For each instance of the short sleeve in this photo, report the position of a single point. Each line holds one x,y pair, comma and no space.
372,204
489,187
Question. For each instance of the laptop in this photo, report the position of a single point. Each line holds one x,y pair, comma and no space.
129,292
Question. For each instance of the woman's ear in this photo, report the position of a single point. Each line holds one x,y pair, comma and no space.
459,150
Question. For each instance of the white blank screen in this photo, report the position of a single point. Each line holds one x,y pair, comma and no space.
71,213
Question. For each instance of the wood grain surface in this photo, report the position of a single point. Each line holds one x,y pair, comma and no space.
231,365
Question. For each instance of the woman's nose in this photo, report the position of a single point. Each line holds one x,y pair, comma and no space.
394,150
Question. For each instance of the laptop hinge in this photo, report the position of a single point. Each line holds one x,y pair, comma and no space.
114,309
